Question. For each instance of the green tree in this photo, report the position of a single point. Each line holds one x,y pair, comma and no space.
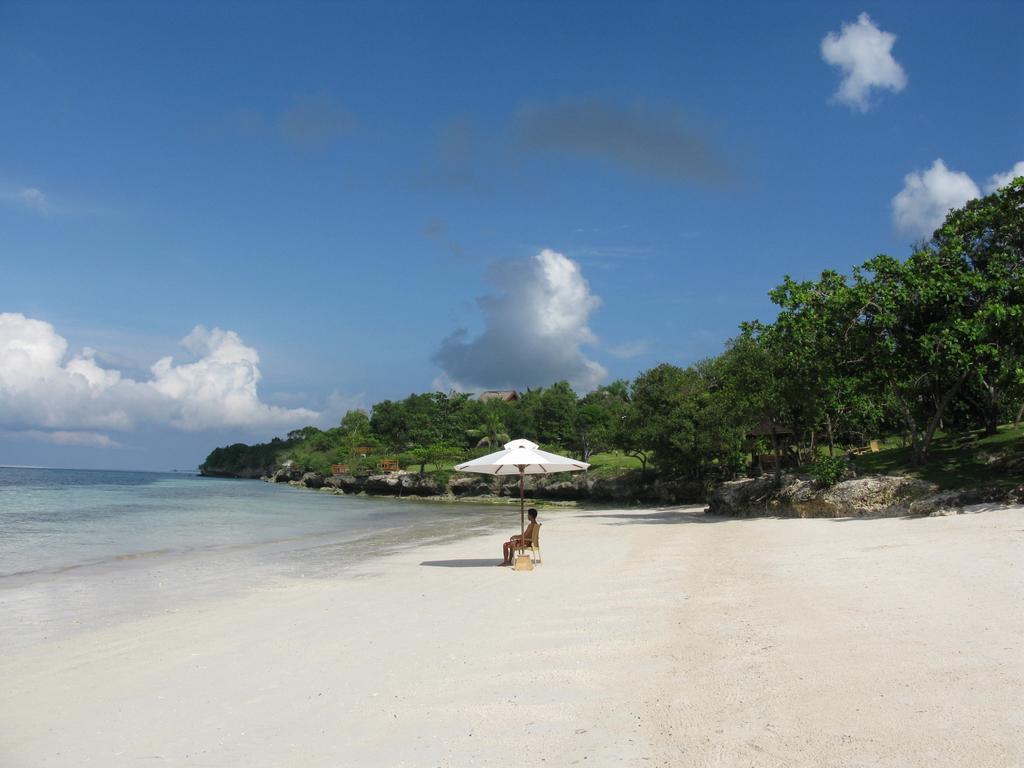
914,337
491,431
521,418
422,424
816,380
555,415
355,424
664,417
598,418
751,379
388,424
985,240
438,454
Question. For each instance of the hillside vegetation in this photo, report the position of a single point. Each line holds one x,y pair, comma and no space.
925,355
969,460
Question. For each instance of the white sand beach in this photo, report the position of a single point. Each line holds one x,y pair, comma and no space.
647,638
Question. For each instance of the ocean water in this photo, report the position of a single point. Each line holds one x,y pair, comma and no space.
81,549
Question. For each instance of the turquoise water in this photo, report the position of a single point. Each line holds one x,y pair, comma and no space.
83,549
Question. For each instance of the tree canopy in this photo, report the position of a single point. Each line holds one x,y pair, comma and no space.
904,348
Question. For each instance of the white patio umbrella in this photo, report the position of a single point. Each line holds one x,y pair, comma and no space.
521,457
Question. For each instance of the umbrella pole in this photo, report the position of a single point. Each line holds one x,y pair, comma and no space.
522,504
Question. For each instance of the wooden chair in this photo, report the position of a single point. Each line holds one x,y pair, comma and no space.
533,547
872,447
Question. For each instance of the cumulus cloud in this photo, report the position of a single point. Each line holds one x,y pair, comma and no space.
1000,180
864,54
927,196
656,142
43,388
315,122
920,207
535,328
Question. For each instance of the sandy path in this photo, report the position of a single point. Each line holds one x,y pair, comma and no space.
647,638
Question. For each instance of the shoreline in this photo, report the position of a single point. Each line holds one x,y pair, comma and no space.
81,590
648,637
793,495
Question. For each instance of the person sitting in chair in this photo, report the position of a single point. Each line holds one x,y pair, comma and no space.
527,539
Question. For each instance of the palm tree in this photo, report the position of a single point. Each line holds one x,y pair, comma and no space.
491,432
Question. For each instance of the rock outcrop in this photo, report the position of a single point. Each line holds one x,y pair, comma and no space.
312,480
626,488
953,502
872,496
471,485
244,473
284,476
387,484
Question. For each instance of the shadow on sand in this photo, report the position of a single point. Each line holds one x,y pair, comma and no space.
696,515
489,562
659,517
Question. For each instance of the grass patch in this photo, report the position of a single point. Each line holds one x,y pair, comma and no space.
613,460
956,461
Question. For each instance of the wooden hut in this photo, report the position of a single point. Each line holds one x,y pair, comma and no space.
768,462
508,395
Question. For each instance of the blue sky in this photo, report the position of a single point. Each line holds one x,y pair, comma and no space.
333,190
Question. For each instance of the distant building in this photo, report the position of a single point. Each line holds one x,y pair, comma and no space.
508,395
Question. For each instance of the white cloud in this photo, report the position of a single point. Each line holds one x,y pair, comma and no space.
1000,180
25,197
864,54
534,331
61,437
41,388
94,439
34,199
920,207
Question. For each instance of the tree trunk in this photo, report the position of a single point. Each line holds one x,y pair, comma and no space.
778,458
921,455
831,441
1020,415
991,423
642,457
991,409
915,443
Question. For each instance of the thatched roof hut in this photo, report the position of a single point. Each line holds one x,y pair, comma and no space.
508,395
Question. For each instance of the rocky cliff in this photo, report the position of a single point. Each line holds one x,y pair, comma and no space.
625,488
243,473
872,496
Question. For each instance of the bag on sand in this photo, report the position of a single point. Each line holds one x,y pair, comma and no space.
523,563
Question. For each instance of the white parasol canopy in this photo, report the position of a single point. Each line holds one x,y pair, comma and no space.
521,457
